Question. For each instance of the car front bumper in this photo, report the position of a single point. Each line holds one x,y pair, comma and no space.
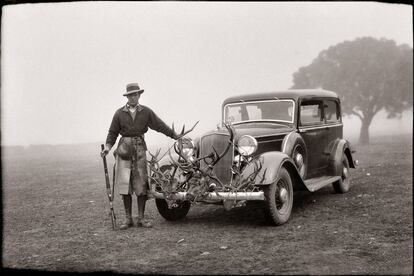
214,196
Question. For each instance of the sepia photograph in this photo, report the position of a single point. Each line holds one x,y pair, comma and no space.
207,138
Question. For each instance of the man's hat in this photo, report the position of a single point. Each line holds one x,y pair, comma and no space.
133,88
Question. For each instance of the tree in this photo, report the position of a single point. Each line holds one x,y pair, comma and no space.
368,74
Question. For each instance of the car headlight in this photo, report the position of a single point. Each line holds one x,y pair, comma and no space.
186,147
247,145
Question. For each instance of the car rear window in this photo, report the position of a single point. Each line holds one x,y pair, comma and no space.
331,111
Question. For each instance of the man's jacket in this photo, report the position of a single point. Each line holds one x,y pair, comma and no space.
123,123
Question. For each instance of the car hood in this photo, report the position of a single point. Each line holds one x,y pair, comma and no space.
261,129
255,129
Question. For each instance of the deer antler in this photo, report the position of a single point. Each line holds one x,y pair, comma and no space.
181,135
184,167
217,156
154,156
183,132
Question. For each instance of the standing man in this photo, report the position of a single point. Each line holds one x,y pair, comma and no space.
132,122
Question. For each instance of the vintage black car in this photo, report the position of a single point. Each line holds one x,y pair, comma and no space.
269,145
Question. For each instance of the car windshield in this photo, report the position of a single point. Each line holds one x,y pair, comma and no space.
273,110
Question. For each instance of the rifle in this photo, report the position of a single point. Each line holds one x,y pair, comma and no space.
109,192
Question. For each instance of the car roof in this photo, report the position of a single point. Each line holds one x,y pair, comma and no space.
283,94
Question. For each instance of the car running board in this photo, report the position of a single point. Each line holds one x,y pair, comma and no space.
316,183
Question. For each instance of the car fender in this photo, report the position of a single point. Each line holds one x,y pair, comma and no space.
289,142
270,164
335,159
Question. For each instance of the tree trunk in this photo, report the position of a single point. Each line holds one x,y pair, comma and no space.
364,134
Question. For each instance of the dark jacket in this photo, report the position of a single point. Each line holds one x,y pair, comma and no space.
122,123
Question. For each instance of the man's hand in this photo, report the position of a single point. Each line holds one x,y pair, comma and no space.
106,150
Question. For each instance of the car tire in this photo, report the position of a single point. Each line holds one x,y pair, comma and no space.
279,199
175,213
342,185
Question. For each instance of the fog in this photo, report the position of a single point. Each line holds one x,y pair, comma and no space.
65,65
380,126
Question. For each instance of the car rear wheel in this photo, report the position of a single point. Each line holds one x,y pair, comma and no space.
342,185
279,199
176,212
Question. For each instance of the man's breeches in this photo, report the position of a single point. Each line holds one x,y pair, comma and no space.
132,175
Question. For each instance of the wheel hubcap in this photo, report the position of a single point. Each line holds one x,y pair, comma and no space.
345,172
283,195
299,160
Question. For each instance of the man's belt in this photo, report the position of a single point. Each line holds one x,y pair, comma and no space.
134,138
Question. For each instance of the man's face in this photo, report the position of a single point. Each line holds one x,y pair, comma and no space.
133,99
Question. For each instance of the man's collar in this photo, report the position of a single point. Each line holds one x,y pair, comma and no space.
127,106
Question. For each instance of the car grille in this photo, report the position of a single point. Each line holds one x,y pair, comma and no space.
219,141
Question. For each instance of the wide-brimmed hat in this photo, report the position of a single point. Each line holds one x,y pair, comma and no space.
133,88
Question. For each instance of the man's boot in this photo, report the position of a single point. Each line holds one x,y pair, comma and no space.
141,210
128,212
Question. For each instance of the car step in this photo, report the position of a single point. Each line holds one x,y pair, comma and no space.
316,183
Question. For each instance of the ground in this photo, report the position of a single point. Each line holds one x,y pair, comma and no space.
55,218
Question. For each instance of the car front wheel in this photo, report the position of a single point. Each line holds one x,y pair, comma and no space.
279,199
175,213
180,209
342,185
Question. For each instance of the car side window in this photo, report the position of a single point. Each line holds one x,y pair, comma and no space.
311,113
331,111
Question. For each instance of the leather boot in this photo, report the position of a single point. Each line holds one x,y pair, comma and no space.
141,210
128,212
144,223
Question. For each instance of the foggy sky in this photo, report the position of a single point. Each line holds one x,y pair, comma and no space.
65,65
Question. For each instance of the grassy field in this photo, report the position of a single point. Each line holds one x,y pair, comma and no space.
55,218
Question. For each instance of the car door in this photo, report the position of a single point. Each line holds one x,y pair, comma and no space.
315,134
333,125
